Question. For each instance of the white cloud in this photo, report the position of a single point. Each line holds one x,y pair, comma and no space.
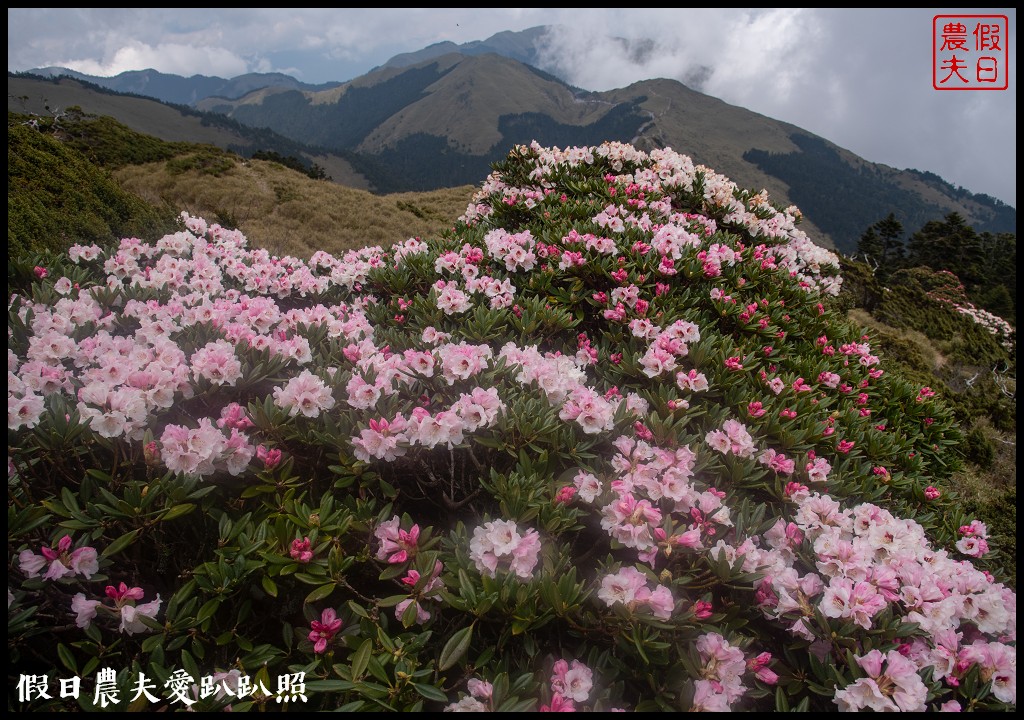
173,58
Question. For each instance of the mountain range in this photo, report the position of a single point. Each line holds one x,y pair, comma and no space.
440,116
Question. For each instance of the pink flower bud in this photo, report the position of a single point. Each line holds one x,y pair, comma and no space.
301,550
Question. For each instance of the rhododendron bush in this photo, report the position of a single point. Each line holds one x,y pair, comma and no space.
604,445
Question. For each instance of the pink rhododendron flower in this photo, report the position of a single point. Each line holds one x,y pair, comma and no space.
216,361
702,610
973,546
131,616
759,666
480,689
234,416
322,631
301,550
893,685
193,451
573,682
429,589
467,704
629,587
588,486
498,544
271,458
422,614
559,704
723,667
733,437
383,440
396,545
304,394
565,495
126,607
60,561
84,609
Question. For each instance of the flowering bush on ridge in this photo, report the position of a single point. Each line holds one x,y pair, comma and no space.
605,445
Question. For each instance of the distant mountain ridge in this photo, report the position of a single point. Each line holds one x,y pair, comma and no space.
174,123
521,46
436,118
179,90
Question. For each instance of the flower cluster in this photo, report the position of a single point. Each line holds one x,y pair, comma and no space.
60,561
423,588
322,631
125,608
396,545
628,587
499,544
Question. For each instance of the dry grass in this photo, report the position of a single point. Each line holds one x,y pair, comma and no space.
991,495
290,214
934,358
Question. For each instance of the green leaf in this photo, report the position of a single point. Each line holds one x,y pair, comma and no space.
67,657
309,579
208,609
269,585
120,544
329,686
781,701
455,648
151,643
321,592
430,692
178,510
361,658
466,587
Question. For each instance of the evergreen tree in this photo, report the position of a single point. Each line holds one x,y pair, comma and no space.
870,248
890,230
882,246
950,244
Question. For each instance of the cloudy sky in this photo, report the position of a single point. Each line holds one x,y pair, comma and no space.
860,78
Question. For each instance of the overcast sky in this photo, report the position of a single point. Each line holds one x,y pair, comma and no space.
860,78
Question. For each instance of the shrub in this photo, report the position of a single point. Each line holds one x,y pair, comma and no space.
57,198
605,445
207,161
979,449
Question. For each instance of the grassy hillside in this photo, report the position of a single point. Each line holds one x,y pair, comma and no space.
290,214
87,179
